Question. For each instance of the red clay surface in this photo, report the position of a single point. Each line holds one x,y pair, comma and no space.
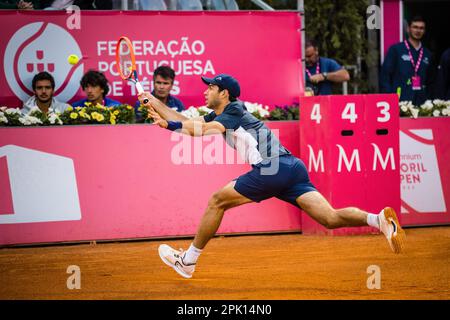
290,266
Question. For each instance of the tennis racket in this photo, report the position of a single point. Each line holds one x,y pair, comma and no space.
126,63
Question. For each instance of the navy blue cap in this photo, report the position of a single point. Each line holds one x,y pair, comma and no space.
225,81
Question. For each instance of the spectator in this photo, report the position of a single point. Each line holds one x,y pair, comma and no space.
94,4
157,5
322,72
163,79
443,77
221,5
406,67
95,85
56,4
21,4
44,87
82,4
190,5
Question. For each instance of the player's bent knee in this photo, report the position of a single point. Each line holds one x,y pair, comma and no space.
217,201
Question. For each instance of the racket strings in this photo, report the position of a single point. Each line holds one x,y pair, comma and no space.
125,60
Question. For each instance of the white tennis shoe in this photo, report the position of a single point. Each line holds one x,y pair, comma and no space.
174,258
392,229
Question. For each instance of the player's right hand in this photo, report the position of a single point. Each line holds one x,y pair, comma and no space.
150,98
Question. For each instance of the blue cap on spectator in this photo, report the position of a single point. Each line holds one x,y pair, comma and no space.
225,81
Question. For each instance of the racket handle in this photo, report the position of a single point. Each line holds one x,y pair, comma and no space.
140,90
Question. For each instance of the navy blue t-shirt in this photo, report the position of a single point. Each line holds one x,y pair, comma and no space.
325,65
251,138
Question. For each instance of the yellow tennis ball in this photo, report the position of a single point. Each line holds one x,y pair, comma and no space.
73,59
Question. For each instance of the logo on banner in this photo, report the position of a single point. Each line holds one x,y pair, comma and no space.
37,47
421,187
37,187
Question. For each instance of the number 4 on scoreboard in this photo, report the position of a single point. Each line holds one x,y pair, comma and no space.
315,113
349,112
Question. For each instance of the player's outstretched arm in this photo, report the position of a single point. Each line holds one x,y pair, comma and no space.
200,128
165,112
190,127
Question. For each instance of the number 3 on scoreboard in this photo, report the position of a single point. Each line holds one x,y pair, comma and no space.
385,111
315,113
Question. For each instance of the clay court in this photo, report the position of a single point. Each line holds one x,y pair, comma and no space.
283,266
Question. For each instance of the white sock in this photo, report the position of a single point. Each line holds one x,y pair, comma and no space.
372,220
192,255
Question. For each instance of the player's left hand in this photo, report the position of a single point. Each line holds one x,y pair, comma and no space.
157,118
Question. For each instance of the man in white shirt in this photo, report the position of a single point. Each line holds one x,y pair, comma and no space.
44,88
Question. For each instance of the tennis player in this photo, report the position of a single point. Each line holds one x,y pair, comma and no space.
275,173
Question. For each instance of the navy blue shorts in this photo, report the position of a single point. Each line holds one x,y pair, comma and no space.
290,181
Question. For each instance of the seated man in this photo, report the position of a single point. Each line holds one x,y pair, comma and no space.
163,78
321,72
44,87
95,85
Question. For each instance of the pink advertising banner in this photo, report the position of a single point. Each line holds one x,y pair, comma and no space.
261,49
79,183
425,171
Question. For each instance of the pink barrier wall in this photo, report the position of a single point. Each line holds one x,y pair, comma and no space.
118,182
121,182
244,44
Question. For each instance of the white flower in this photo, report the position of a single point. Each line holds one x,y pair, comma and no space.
414,113
3,119
439,102
34,109
263,112
11,111
191,112
403,108
3,108
251,107
53,118
205,109
29,120
257,107
436,113
446,112
428,105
